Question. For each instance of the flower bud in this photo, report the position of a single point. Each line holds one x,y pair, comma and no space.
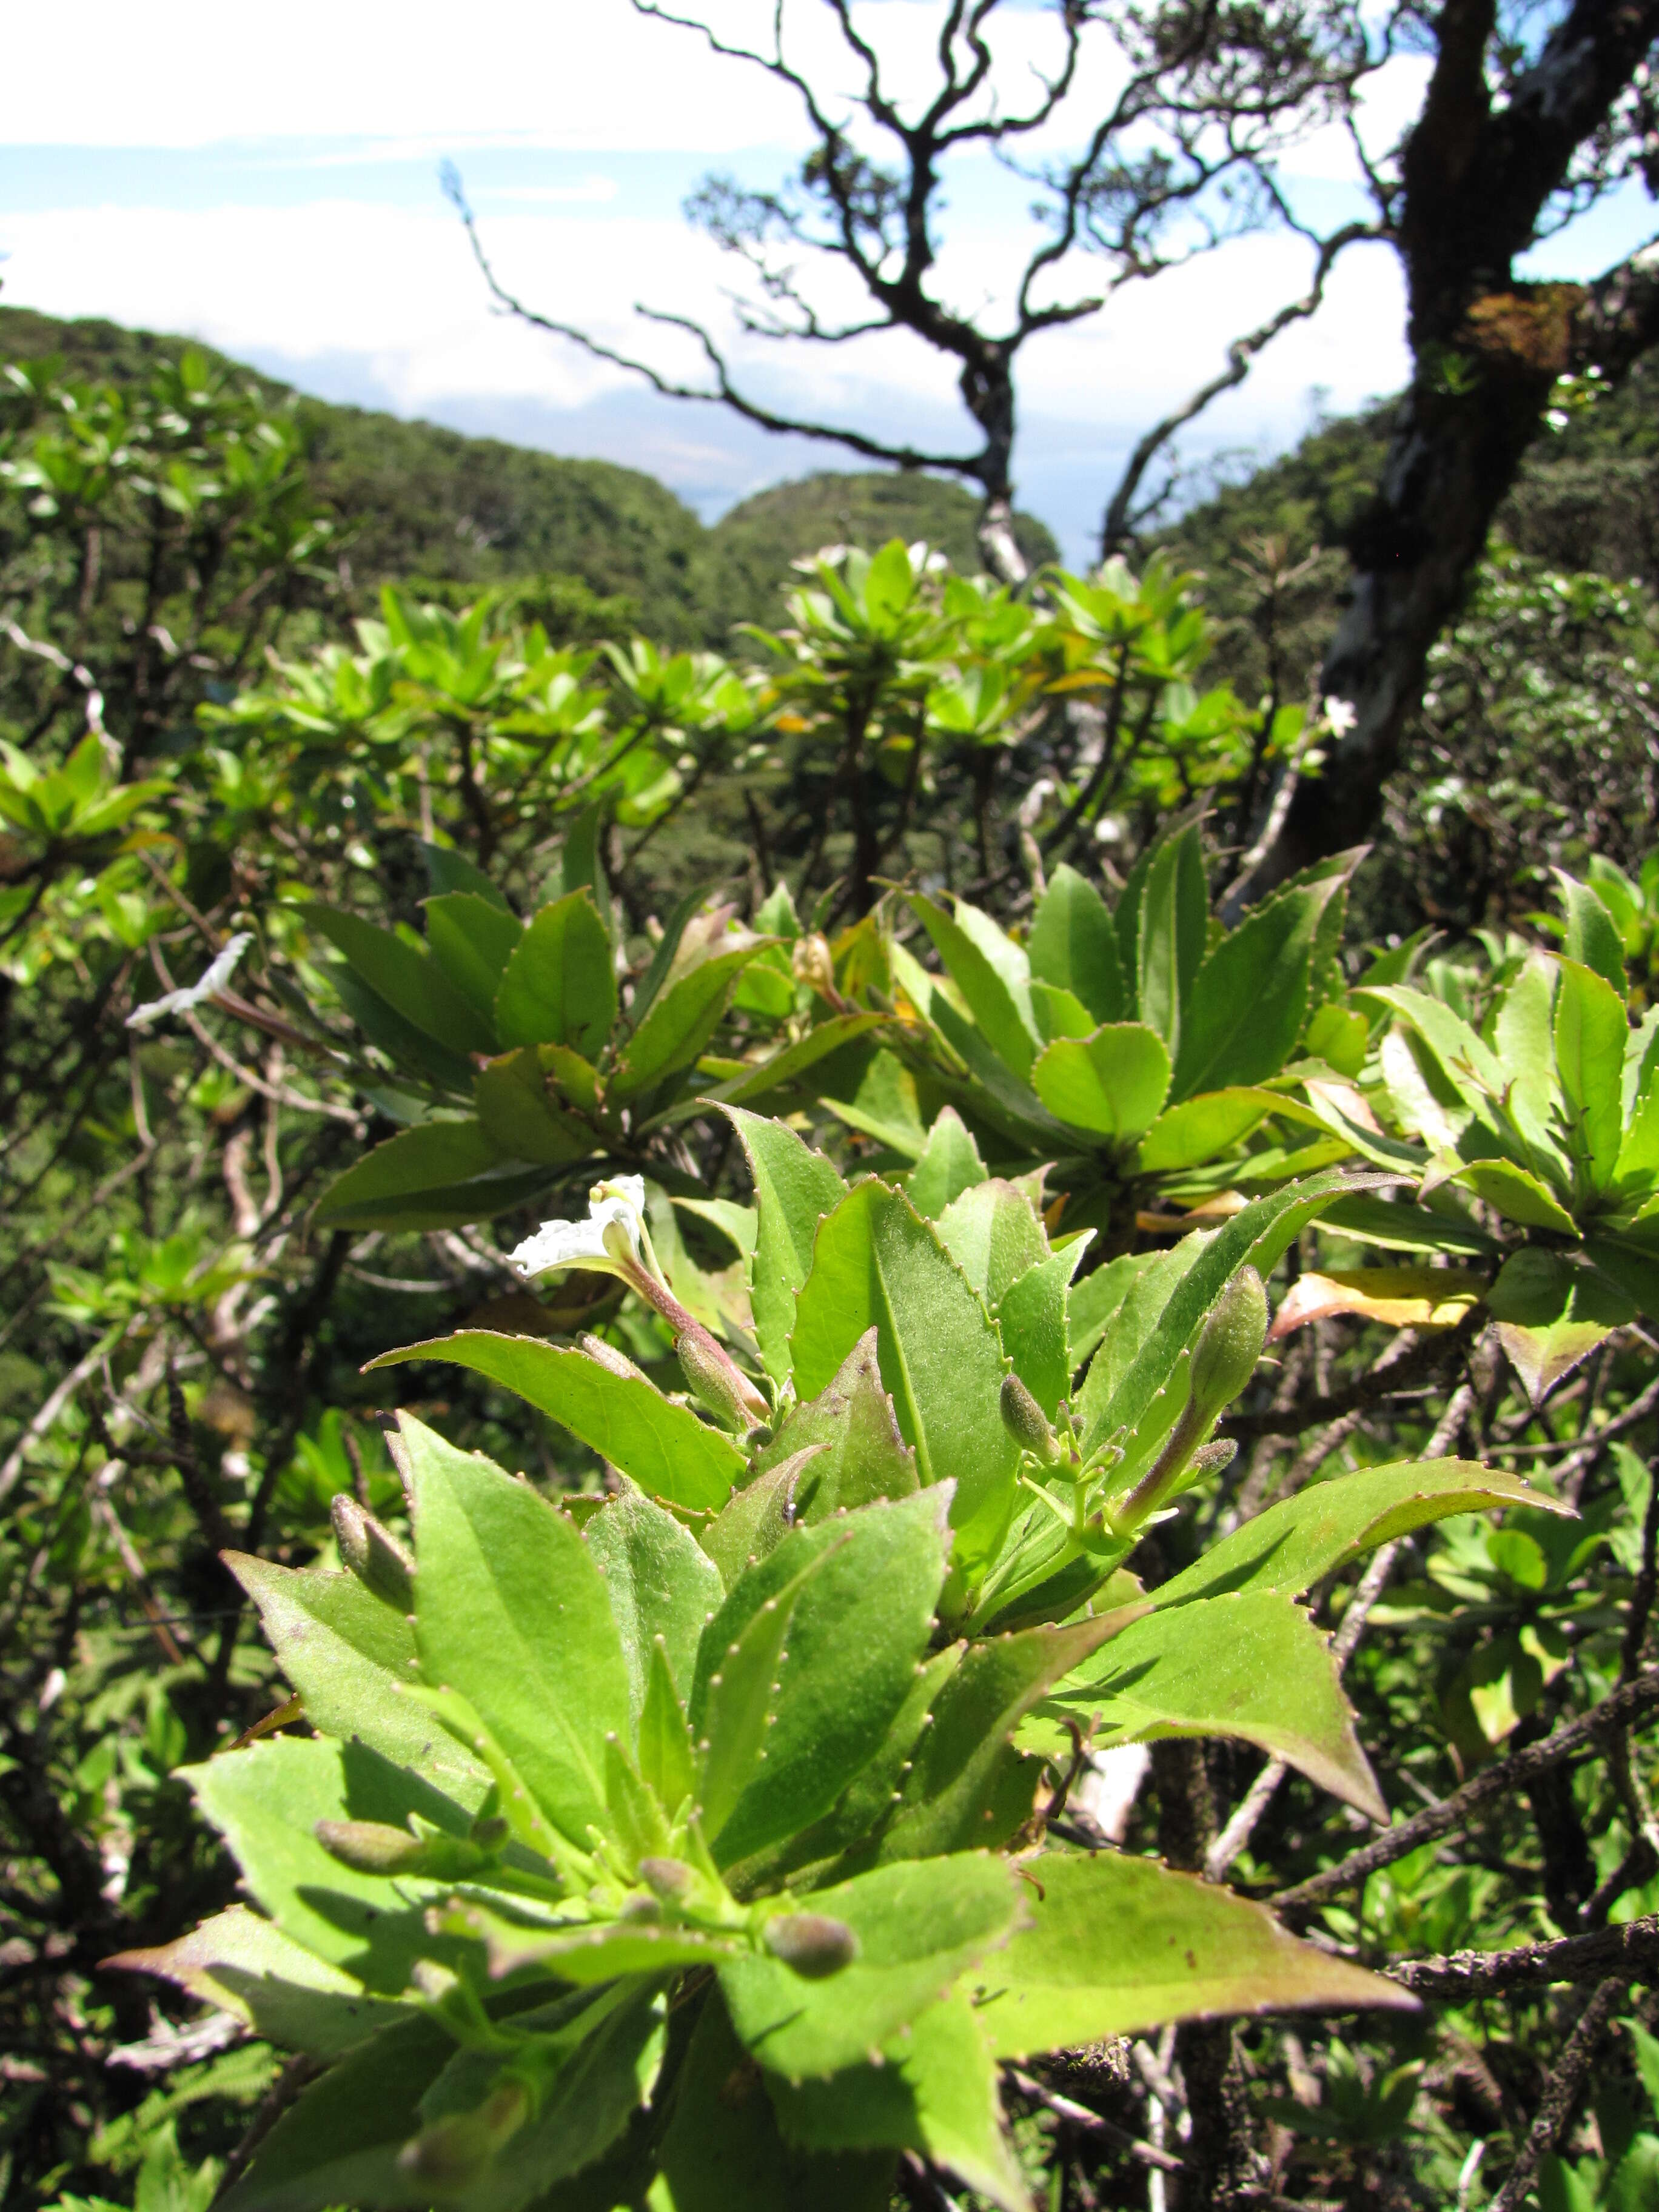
672,1879
369,1846
1211,1458
1230,1345
813,965
716,1379
372,1553
607,1356
1025,1421
811,1943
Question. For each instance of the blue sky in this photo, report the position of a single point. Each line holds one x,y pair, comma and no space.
269,184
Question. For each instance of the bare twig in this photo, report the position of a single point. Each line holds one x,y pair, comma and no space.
1079,2116
1561,2093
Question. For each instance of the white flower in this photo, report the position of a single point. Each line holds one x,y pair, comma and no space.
827,556
208,985
1031,807
608,1241
927,560
1341,715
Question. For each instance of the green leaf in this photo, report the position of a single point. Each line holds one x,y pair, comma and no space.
861,1458
1112,1083
994,1235
662,1447
877,1264
559,987
586,1954
516,1113
1185,1283
935,2093
861,1590
338,2142
246,1966
446,871
991,982
1092,1302
1171,929
266,1802
667,1765
1250,999
1116,1945
471,938
581,864
350,1656
781,1071
411,1050
409,982
1517,1195
608,2068
1059,1014
732,1705
842,1842
440,1175
1202,1128
722,2150
1590,1034
794,1188
1592,939
661,1585
1524,1038
968,1786
1402,1228
1297,1542
1031,1318
1249,1664
680,1022
754,1521
949,1165
510,1611
1466,1066
918,1926
1551,1315
1073,945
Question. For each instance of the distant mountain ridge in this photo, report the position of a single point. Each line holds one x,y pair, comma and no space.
428,504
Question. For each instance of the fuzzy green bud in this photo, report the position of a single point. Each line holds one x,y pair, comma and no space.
372,1553
1211,1458
717,1380
607,1356
811,1943
1229,1346
671,1879
1025,1421
369,1846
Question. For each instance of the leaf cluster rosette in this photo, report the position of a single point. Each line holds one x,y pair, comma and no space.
695,1831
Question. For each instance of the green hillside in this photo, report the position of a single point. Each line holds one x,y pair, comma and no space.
425,503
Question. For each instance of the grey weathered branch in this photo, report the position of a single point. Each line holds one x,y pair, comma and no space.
1630,1952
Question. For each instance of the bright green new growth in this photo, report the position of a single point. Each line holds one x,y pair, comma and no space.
729,1770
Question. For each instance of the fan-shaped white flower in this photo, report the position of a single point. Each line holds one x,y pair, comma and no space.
1341,715
608,1240
212,979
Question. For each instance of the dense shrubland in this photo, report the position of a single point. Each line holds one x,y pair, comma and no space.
660,1299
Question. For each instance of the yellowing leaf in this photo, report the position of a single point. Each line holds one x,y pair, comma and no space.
1404,1297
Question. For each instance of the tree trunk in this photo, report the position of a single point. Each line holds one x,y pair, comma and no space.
1454,456
1479,173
